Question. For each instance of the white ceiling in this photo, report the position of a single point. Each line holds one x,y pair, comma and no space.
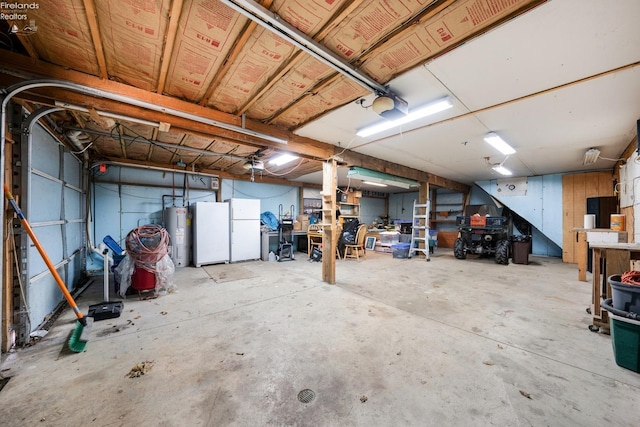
560,44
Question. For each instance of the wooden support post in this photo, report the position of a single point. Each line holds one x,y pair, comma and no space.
582,255
329,226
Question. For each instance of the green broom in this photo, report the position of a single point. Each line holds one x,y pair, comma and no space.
80,335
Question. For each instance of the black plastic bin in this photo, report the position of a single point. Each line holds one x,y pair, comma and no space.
521,246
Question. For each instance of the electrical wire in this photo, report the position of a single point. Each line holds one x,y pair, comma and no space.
284,173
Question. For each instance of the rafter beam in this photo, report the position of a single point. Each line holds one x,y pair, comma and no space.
92,20
170,40
304,146
230,59
356,159
298,56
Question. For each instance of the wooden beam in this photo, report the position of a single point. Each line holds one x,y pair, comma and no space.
228,62
329,226
356,159
92,20
308,93
170,40
296,144
26,43
297,58
222,174
237,48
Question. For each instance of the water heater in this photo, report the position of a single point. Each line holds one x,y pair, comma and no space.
178,225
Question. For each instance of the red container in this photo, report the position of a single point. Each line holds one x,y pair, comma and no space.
478,221
143,280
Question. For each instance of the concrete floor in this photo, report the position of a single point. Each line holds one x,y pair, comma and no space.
394,343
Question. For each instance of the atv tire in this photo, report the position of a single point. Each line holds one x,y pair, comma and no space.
502,252
459,249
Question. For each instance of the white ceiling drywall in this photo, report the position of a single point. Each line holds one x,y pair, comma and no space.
567,77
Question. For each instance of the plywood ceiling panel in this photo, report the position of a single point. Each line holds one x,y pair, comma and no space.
497,67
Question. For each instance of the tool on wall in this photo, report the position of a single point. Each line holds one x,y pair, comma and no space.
82,331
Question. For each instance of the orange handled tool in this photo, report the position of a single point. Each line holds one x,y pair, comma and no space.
79,338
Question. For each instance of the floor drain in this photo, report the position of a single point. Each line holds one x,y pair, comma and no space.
306,395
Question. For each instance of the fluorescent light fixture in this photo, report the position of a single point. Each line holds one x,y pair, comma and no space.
591,156
377,184
499,144
380,178
501,170
419,113
283,159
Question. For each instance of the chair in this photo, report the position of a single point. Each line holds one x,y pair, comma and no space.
353,251
314,238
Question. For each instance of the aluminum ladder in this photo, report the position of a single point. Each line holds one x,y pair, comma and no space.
420,222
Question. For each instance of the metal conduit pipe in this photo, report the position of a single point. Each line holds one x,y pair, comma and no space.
155,168
274,23
33,84
159,144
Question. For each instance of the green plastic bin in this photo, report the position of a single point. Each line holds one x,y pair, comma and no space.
625,336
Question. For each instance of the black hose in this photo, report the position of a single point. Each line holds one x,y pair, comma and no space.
608,305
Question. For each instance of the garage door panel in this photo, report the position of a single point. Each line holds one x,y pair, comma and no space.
72,171
72,204
45,156
50,238
45,200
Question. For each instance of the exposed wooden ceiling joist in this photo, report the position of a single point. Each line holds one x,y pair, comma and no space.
92,20
169,43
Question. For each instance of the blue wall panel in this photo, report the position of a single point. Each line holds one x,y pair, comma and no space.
270,195
371,208
401,206
541,206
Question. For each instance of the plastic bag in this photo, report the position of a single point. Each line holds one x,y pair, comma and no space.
269,219
164,276
125,271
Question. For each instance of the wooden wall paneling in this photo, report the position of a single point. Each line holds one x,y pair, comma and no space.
568,240
629,219
576,188
605,187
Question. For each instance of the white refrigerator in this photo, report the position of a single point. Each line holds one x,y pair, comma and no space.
210,233
244,215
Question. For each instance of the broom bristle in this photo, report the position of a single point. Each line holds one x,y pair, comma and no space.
75,343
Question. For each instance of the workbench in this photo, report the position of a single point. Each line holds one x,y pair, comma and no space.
590,236
608,259
268,237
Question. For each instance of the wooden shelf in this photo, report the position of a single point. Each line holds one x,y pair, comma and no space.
443,220
350,210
